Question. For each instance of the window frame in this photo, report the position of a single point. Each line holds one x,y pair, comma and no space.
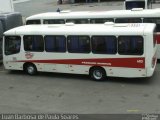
115,38
128,18
16,51
101,19
36,20
55,39
27,50
79,21
53,21
133,2
89,44
130,48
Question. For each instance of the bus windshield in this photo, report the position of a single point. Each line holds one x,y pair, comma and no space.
135,4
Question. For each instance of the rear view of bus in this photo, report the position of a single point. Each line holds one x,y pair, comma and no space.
119,50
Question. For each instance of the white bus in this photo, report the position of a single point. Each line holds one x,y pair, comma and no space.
116,16
130,4
108,49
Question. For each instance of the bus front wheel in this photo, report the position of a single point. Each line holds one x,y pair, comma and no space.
97,73
30,69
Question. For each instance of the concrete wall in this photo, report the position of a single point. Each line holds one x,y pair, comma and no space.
6,6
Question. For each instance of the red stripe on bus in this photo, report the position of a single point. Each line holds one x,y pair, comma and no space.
158,38
112,62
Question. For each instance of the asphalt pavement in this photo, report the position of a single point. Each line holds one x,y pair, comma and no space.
39,6
31,7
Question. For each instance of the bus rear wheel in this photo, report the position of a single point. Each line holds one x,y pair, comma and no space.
30,69
97,73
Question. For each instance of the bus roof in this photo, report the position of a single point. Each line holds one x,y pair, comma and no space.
83,29
101,14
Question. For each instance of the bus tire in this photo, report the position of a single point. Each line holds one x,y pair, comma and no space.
97,73
30,69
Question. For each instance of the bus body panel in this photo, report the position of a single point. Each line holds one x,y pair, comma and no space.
151,55
81,66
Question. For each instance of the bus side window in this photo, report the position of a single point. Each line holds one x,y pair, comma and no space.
134,4
78,44
104,44
29,22
130,45
55,43
78,21
53,21
128,20
101,20
33,43
70,20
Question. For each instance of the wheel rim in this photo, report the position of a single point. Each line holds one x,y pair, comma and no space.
30,69
97,74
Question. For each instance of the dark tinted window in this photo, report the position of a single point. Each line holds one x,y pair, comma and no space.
104,44
130,45
33,22
78,44
135,4
101,20
128,20
55,43
78,21
12,44
56,21
33,43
